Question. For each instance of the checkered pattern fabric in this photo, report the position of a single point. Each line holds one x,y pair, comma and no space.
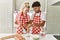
22,18
19,30
36,19
36,30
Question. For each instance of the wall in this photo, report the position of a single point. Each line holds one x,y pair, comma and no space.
6,16
53,20
50,2
19,3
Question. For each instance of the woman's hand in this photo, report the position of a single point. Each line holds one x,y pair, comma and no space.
16,22
28,30
18,36
27,27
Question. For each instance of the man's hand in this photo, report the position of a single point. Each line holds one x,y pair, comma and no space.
30,22
37,25
41,24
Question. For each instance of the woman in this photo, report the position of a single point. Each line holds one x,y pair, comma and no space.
22,18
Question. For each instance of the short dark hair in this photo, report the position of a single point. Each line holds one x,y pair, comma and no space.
36,4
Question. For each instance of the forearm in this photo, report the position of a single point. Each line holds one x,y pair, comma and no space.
8,37
19,37
28,24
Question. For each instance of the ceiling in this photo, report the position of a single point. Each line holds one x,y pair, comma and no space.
54,2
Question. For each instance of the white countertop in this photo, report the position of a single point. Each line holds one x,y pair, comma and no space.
47,37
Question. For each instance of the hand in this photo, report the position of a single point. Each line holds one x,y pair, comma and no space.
35,24
43,35
30,22
42,22
28,30
16,22
38,25
20,37
27,26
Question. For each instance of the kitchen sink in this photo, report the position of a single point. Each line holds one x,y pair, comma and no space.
57,37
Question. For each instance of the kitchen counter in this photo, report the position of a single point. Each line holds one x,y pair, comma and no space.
47,37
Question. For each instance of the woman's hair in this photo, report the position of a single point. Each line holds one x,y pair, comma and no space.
25,4
36,4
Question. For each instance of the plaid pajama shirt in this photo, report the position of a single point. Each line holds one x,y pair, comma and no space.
35,29
22,18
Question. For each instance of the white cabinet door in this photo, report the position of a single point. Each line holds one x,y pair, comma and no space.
6,16
53,19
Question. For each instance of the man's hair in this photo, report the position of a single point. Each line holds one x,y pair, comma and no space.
36,4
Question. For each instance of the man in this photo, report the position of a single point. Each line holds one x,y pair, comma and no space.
38,18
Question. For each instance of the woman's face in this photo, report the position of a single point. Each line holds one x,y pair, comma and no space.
26,10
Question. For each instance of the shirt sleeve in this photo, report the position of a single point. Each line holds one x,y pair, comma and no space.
31,14
43,16
17,18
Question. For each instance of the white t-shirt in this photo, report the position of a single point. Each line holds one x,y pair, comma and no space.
42,16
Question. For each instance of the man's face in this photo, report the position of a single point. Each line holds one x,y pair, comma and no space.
36,9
